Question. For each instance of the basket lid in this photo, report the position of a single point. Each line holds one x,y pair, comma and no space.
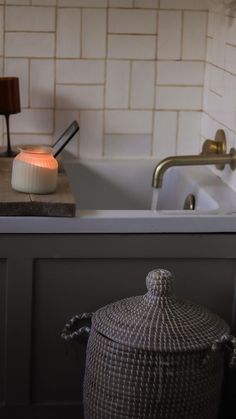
158,321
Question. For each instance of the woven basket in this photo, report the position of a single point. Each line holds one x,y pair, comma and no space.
151,357
154,357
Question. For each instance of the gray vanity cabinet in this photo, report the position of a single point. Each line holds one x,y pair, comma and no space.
46,279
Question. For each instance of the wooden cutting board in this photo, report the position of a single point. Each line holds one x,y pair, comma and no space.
12,203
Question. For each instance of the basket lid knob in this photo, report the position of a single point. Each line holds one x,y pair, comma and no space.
160,282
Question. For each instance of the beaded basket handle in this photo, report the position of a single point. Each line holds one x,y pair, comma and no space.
73,331
228,342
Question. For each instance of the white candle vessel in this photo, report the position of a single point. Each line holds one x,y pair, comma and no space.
34,170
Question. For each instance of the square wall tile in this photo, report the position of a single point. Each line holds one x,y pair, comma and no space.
132,21
132,47
29,44
127,145
62,120
68,33
117,85
180,72
178,98
80,71
30,18
142,84
79,97
91,134
94,33
42,83
128,122
169,35
189,133
165,134
194,35
19,67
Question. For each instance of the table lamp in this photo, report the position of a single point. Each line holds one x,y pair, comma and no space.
9,104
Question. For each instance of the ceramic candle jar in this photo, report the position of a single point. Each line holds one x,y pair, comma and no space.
34,170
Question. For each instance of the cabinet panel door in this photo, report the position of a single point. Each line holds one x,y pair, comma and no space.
2,324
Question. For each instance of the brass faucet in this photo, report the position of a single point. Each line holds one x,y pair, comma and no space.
213,153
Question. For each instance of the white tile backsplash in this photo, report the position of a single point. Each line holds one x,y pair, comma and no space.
79,97
130,71
68,33
16,2
194,35
1,30
219,108
184,4
29,44
120,3
146,4
83,3
180,72
230,59
35,121
94,24
19,67
138,47
26,139
28,18
127,145
42,83
165,134
178,98
142,93
1,68
80,71
132,21
189,132
169,35
117,84
91,133
128,122
44,2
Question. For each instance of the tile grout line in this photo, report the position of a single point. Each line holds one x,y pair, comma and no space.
106,59
155,84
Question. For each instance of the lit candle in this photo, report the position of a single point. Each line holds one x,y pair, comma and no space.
34,170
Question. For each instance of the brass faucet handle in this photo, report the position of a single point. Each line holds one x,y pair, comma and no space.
215,147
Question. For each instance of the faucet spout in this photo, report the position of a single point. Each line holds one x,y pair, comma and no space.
192,160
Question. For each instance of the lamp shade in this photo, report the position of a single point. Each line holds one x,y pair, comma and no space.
9,95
